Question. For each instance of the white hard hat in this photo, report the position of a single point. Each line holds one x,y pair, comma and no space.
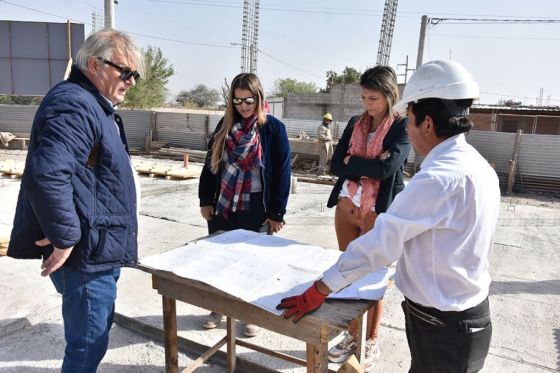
443,79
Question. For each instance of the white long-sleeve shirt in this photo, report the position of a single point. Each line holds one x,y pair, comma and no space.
440,228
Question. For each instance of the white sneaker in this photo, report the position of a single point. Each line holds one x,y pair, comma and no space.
340,352
372,355
213,320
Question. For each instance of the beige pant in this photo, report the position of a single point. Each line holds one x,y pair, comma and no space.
349,225
325,153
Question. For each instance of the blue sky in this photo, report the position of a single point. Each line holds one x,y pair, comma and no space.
303,39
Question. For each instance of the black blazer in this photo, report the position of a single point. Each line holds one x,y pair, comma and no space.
389,171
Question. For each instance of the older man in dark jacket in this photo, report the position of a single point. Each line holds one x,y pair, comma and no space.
77,206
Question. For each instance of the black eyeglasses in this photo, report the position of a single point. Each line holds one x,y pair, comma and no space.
247,100
126,73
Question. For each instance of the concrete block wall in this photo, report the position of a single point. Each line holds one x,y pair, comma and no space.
342,101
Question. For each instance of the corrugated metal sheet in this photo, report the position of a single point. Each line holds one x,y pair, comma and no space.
17,118
181,122
182,139
182,129
213,122
137,124
539,155
295,126
496,147
537,158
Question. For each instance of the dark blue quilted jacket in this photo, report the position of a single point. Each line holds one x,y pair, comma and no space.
78,187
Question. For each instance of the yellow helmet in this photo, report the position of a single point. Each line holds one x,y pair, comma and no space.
327,116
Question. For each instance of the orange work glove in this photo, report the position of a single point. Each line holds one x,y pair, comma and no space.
301,305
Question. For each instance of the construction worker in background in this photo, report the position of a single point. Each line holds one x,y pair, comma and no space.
325,143
440,228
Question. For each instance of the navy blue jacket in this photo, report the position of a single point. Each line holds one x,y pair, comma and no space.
276,173
389,171
78,187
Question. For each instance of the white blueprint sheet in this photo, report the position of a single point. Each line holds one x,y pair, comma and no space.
260,269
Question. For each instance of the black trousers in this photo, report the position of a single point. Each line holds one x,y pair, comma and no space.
447,341
251,219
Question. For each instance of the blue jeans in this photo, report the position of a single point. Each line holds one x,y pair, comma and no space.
88,306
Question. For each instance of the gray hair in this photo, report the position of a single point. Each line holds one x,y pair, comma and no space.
105,44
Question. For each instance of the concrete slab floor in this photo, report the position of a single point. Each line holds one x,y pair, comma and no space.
525,293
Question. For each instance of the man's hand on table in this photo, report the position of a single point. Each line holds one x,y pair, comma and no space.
306,303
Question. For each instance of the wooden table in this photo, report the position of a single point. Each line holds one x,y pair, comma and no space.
316,329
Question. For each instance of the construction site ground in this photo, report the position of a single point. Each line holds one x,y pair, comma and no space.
524,295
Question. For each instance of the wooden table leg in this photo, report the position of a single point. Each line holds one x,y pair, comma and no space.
317,355
361,338
230,338
170,335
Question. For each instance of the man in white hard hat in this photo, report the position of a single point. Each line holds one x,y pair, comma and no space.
325,143
440,228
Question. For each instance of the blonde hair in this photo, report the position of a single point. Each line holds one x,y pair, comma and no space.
382,79
251,83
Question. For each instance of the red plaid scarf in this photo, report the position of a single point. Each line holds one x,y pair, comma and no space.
360,147
244,153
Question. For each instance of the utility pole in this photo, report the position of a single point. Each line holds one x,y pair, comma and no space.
423,24
110,13
406,70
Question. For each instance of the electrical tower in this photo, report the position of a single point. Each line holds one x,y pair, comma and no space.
250,36
96,21
387,28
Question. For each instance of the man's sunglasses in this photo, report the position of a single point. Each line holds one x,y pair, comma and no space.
247,100
126,73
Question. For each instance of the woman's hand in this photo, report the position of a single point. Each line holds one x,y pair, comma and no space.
274,226
385,155
207,212
346,160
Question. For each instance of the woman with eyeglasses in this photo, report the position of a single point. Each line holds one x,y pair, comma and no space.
369,162
245,181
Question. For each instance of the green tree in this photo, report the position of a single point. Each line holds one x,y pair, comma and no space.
150,90
284,86
348,75
201,96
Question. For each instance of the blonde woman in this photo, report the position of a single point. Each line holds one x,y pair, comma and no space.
245,181
369,162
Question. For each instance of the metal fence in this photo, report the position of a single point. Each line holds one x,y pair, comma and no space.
538,155
529,124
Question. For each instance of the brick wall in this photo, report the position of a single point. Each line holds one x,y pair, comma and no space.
481,121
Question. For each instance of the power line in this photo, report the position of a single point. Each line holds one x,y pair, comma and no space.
499,16
130,32
41,11
492,37
489,21
289,65
173,40
522,97
350,12
181,41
